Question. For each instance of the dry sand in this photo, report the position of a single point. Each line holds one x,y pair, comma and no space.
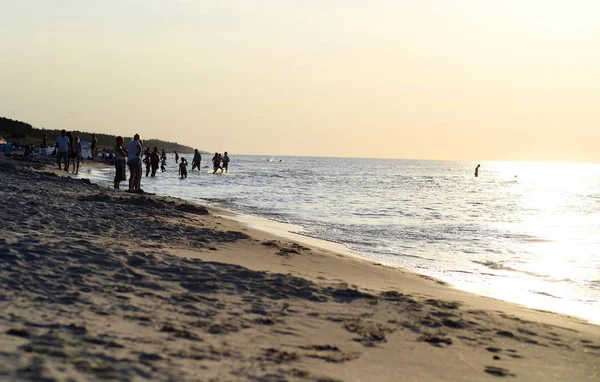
103,284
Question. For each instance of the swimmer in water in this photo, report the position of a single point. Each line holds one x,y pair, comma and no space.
477,170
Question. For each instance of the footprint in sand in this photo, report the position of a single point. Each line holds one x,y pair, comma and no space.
499,371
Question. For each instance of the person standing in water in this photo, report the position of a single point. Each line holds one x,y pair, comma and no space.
225,161
196,160
477,170
146,160
176,157
217,163
163,161
183,168
154,160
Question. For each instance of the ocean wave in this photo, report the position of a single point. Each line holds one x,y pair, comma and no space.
527,238
395,254
543,293
219,200
499,266
461,271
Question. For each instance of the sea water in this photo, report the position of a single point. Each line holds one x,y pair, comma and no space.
522,232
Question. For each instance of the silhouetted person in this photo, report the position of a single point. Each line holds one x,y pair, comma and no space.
217,163
477,170
225,161
176,157
163,161
94,146
120,162
196,160
154,160
146,160
71,152
183,168
45,140
77,149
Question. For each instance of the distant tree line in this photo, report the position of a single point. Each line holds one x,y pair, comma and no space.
11,129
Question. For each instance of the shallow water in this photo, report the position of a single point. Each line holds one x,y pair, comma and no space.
523,232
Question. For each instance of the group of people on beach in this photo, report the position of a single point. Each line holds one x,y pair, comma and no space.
152,158
68,150
133,155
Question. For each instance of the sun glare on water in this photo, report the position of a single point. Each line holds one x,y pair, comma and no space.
554,222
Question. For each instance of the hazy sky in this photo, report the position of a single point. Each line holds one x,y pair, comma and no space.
455,79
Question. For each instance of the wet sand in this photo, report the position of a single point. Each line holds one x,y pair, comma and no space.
104,284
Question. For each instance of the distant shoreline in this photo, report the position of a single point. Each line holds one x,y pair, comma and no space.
13,130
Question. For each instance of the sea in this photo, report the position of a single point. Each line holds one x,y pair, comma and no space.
524,232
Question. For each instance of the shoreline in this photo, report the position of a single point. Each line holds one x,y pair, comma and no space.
288,231
98,283
284,230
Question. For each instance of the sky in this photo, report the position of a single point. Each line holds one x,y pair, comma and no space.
417,79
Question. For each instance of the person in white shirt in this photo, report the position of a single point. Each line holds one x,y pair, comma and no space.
134,162
63,150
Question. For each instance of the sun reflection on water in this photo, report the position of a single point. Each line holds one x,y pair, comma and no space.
555,234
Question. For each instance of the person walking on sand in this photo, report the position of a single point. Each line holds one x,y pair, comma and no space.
196,160
154,160
71,151
94,146
120,162
183,168
77,156
225,161
176,157
134,162
477,170
63,150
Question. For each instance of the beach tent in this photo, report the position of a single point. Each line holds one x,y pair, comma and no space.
86,149
46,150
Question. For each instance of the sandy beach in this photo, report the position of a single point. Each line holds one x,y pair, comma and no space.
98,283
